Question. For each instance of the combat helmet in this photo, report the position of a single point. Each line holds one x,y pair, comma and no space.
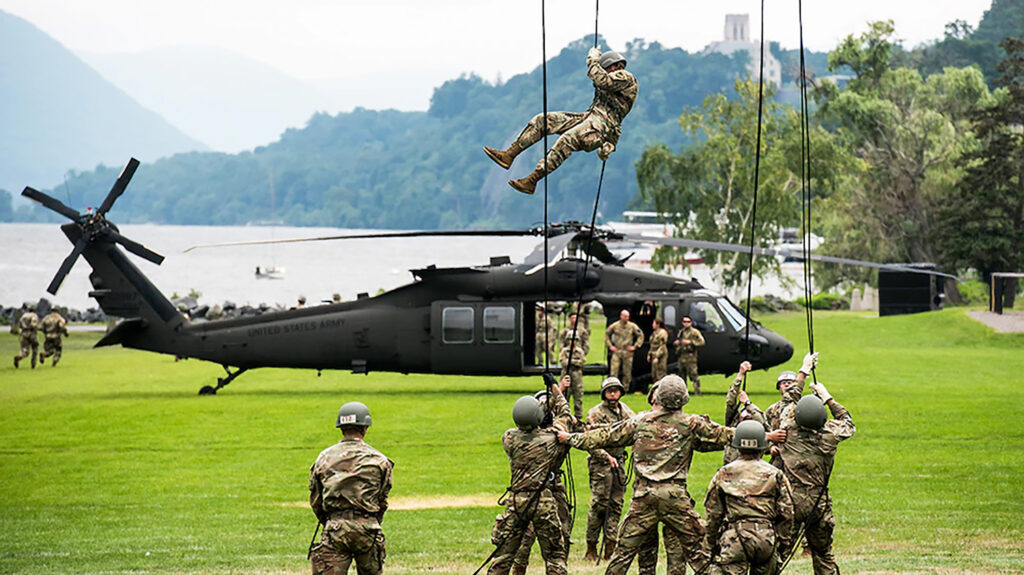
354,413
810,412
785,376
611,57
527,412
749,436
610,383
672,392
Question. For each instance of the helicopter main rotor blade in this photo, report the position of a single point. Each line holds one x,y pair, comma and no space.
720,246
438,233
118,188
136,248
50,202
555,247
65,268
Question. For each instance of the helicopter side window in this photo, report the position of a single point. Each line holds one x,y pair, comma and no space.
668,314
499,324
706,318
735,316
457,325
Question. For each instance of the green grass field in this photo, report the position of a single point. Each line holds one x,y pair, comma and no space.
110,463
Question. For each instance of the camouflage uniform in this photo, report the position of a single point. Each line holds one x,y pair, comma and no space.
54,327
663,443
659,351
806,457
607,484
348,491
533,455
732,416
688,355
549,336
614,94
750,515
621,336
779,415
573,365
28,324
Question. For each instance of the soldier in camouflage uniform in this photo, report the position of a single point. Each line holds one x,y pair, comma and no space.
535,457
806,458
546,334
576,340
622,338
598,128
687,342
607,472
779,415
749,509
348,491
663,442
738,407
54,327
28,324
657,353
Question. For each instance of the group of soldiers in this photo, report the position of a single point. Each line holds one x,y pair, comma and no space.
755,510
54,329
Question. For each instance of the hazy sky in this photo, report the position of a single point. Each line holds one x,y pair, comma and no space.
351,38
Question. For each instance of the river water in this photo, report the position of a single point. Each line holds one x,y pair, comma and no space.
31,254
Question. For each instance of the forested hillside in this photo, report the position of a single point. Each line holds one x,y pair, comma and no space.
390,169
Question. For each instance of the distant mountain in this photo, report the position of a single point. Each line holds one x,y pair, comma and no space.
227,100
58,114
391,169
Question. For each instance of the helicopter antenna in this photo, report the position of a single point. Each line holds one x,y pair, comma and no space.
753,211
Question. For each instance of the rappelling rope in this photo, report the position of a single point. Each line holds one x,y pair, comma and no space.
753,211
544,79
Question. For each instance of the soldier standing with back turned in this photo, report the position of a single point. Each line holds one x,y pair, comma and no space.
28,324
54,327
687,342
749,509
657,353
622,338
348,491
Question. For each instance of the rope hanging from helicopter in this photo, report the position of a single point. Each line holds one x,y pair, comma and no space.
805,216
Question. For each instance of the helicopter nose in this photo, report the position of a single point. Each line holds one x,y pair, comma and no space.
781,349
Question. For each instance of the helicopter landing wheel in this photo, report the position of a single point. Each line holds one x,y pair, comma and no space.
208,390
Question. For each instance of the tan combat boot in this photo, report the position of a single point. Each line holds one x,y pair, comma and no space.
504,157
592,552
609,549
527,185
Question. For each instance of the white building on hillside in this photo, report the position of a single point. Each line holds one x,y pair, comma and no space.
737,37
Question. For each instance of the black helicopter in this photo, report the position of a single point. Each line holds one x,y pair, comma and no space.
476,320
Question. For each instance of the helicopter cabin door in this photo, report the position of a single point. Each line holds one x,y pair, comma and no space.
477,338
722,326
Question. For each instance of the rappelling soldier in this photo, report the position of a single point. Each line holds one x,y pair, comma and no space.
749,509
28,324
622,338
54,328
806,458
607,469
739,408
598,128
663,442
686,343
535,458
657,353
348,491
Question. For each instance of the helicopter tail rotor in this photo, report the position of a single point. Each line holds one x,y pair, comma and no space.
93,225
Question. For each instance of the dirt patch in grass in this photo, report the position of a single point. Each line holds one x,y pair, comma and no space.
426,502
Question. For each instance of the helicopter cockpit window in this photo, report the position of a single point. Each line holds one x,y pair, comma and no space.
499,324
705,317
735,316
457,325
668,313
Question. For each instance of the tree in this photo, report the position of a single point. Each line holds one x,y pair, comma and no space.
983,220
707,190
908,131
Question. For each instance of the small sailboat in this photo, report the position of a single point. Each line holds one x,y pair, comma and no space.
271,272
